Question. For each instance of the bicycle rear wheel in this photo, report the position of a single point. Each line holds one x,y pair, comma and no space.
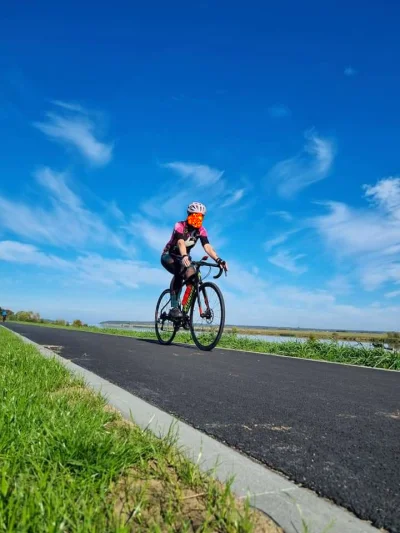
164,326
207,316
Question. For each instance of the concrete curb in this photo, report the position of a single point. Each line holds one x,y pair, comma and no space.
284,501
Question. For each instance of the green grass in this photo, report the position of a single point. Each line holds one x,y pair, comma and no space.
325,351
70,463
357,336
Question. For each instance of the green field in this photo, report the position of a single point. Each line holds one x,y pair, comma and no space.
71,463
312,349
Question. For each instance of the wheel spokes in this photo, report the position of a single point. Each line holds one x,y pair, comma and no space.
165,328
207,316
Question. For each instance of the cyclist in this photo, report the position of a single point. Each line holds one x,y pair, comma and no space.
176,255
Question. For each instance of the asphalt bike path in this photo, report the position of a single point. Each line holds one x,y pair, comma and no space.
332,428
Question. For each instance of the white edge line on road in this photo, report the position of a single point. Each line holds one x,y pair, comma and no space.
284,501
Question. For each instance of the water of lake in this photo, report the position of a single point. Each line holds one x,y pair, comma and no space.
269,338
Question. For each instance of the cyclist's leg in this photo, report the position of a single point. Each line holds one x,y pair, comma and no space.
189,272
174,267
168,263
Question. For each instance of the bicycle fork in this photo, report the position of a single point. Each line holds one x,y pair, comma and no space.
206,313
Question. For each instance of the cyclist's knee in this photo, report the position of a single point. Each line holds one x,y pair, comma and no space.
168,263
190,271
166,259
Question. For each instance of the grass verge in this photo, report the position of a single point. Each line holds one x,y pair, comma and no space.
357,336
333,351
69,462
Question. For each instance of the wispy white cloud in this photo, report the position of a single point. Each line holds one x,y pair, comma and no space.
309,298
218,238
254,301
392,294
285,215
280,239
70,106
61,219
284,259
271,243
234,198
124,272
18,252
243,280
313,164
202,174
370,237
114,210
340,284
56,185
75,128
153,235
279,111
88,268
294,306
168,206
354,232
386,196
350,71
209,187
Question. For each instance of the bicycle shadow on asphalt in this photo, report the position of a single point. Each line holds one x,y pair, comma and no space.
173,344
191,347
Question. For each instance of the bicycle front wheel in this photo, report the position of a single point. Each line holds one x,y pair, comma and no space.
165,327
207,316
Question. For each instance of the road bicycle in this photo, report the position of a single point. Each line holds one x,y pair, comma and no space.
202,307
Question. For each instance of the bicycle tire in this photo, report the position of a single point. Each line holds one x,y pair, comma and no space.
161,340
211,346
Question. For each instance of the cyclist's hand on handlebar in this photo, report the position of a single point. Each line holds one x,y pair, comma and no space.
186,261
223,264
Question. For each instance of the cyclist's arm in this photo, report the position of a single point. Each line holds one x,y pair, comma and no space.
182,247
212,253
206,244
177,236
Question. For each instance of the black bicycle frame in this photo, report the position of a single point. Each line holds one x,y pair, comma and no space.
199,281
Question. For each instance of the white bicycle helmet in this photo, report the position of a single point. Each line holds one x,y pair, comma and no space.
196,207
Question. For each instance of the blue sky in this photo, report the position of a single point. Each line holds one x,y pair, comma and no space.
283,119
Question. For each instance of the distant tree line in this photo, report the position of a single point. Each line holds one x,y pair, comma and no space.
31,316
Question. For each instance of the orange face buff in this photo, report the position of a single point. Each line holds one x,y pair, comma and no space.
195,220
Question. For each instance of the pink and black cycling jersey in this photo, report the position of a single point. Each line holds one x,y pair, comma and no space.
190,235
